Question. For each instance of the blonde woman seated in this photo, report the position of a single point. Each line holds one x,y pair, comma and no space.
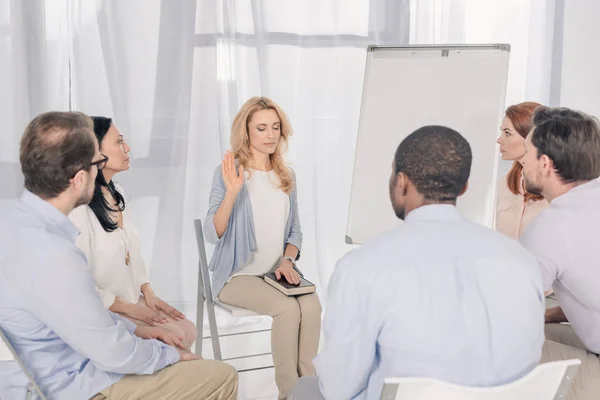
515,207
111,244
253,220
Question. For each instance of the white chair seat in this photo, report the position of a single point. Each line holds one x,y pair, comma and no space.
235,311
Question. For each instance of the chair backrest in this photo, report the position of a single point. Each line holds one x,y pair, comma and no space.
32,386
203,275
550,381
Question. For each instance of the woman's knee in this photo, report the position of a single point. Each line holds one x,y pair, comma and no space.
310,305
189,330
289,307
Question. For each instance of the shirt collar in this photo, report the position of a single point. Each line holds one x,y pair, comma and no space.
50,213
433,212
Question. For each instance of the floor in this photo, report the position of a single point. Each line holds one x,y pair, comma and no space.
255,385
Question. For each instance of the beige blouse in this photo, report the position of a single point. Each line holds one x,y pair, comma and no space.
512,213
106,255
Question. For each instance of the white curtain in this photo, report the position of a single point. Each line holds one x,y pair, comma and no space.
34,72
527,25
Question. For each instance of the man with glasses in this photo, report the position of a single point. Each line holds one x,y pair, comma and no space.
49,308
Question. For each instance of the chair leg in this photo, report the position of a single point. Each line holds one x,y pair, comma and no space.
214,333
30,391
199,316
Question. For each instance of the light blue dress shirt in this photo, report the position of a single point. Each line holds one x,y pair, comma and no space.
437,297
53,316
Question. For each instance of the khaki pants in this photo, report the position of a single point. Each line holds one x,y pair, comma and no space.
186,380
184,328
563,344
296,325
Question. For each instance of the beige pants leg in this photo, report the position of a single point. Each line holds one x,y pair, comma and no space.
563,344
186,380
296,326
184,328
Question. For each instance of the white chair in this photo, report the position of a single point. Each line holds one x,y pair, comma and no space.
550,381
32,387
205,297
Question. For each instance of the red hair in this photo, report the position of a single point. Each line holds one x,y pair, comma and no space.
521,116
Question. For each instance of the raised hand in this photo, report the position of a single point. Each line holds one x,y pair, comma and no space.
234,180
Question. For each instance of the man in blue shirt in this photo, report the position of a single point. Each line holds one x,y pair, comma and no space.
49,308
437,297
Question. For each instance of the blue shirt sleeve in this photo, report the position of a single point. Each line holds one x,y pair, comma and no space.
295,237
76,313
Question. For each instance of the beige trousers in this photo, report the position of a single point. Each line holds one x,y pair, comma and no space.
296,326
186,380
184,328
563,344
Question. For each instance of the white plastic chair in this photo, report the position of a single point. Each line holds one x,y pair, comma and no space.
205,297
32,387
549,381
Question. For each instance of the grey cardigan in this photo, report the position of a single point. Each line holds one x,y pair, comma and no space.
235,246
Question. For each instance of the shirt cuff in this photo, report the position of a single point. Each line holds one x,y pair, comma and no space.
170,355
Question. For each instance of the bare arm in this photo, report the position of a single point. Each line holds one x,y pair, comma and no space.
221,217
291,250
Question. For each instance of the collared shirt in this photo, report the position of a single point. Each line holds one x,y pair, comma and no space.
437,297
52,315
564,238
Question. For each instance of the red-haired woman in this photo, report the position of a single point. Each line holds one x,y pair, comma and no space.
515,207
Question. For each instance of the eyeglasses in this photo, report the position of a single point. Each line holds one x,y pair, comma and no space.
100,164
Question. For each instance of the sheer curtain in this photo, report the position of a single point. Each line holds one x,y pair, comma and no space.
528,26
34,73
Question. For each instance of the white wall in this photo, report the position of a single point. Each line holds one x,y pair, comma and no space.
580,75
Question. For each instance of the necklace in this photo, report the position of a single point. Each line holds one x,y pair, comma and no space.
121,225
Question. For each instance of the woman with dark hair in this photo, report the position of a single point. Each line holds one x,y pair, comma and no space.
111,244
515,207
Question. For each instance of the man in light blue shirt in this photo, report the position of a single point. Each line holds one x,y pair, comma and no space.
49,308
437,297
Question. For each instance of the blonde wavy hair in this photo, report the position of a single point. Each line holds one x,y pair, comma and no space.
240,140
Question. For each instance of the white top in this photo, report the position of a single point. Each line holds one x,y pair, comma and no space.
271,209
564,238
105,252
428,299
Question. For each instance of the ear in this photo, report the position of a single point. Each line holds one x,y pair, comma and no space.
402,183
546,164
79,180
464,189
